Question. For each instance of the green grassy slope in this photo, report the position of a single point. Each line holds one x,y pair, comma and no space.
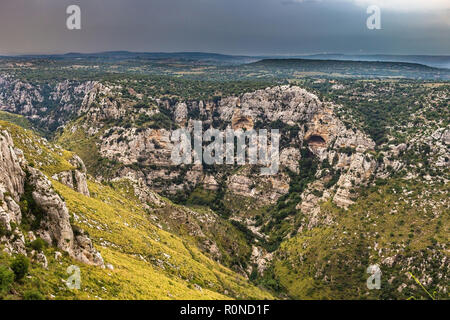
402,234
148,262
16,119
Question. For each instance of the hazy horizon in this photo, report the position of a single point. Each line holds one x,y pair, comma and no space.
236,27
260,55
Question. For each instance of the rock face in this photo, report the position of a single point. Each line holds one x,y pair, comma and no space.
53,219
55,226
33,100
12,179
75,179
303,120
309,128
318,129
359,168
290,105
261,258
181,113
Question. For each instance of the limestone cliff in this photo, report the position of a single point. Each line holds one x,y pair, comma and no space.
25,190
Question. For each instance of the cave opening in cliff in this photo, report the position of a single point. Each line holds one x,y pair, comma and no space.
242,122
316,140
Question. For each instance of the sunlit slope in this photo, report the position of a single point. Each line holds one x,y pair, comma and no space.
149,263
405,235
142,261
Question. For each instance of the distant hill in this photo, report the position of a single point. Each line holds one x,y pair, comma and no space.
221,66
224,59
340,68
442,61
431,61
200,57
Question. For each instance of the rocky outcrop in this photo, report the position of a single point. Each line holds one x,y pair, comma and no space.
432,146
261,258
209,183
12,179
141,190
318,129
304,121
239,121
75,179
52,220
32,100
289,158
359,169
132,146
290,105
55,227
302,118
99,106
439,143
181,113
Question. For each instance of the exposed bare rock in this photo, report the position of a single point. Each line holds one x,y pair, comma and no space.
58,255
240,121
54,219
11,174
146,153
265,189
240,184
14,243
147,196
65,177
442,134
75,179
12,179
27,99
360,169
396,150
84,251
55,226
446,137
209,183
40,257
81,182
98,106
324,134
289,158
181,113
285,103
131,146
261,258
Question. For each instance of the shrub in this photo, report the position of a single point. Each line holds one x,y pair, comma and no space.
33,295
254,274
38,244
6,279
4,231
20,267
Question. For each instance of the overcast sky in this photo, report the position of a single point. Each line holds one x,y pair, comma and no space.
226,26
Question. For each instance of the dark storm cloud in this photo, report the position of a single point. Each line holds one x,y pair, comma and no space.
229,26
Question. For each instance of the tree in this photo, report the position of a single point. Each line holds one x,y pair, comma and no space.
33,295
20,267
6,279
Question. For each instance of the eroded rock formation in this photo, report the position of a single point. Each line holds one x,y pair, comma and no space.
51,220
